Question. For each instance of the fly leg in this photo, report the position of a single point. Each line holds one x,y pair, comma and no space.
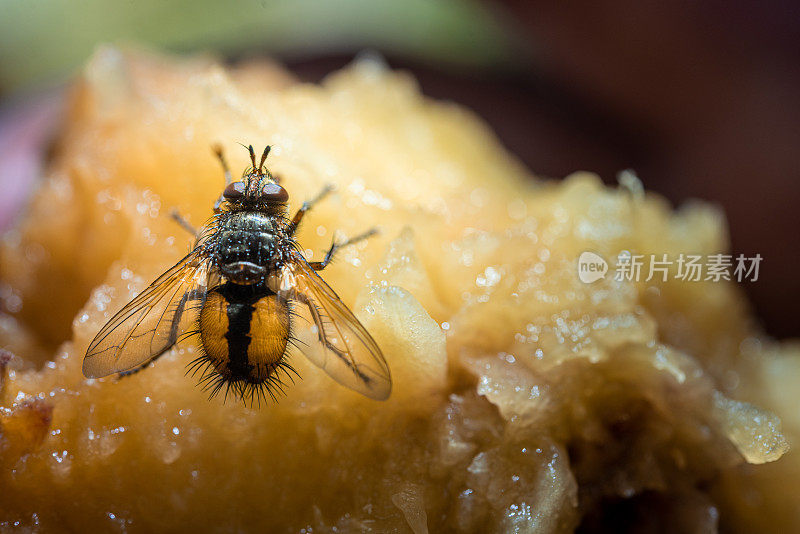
228,177
307,205
186,225
319,265
173,330
336,351
135,370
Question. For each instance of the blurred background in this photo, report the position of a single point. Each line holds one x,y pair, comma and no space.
701,98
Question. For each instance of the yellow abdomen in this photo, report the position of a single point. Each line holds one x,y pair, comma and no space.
244,332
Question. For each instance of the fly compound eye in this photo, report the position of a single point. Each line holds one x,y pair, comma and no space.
272,192
234,191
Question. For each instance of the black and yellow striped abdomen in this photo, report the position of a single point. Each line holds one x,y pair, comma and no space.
244,330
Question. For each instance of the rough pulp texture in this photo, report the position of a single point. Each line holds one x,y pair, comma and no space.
524,400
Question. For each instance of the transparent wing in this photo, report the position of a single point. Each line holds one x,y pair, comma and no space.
151,323
335,340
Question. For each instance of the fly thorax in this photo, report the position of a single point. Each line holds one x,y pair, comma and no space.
246,245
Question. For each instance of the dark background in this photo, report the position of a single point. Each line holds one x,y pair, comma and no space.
701,98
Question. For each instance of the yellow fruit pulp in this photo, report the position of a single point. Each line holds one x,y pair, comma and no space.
524,400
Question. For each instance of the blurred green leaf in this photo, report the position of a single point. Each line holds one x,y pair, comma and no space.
45,39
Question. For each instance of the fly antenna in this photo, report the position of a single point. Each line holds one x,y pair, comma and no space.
252,156
264,157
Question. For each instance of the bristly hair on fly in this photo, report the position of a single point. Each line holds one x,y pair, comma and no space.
249,393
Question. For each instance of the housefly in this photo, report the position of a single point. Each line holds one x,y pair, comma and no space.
250,297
